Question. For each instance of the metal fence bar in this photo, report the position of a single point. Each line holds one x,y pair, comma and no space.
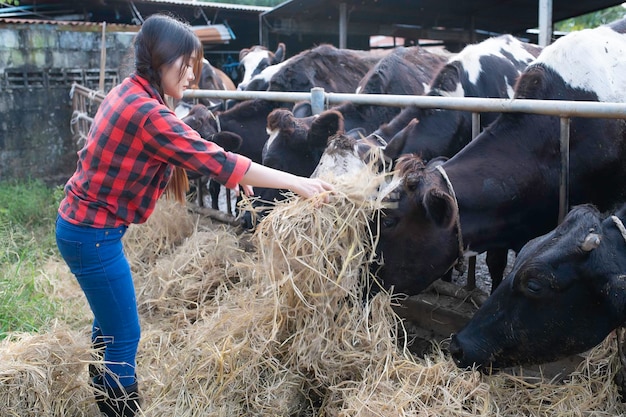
559,108
564,180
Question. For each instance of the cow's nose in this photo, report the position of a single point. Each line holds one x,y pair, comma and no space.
456,351
246,221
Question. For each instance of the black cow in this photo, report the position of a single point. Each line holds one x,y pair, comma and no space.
487,69
502,189
296,144
565,294
198,119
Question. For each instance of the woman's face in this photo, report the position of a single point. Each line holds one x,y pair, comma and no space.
171,81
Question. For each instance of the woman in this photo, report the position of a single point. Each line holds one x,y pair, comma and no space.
135,149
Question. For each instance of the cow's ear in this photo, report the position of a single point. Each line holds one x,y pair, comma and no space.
440,208
302,109
281,52
281,119
395,146
530,83
326,125
448,78
243,53
228,140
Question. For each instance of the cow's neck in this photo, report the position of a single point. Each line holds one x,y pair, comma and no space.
491,219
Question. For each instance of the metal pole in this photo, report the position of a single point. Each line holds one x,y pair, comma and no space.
317,100
478,104
343,25
471,267
545,22
564,180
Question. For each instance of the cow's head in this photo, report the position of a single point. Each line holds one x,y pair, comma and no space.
202,120
347,154
566,292
252,61
295,145
419,230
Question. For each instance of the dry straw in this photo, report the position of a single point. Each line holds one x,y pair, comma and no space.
284,329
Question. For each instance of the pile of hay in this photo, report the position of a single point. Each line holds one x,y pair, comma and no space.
285,329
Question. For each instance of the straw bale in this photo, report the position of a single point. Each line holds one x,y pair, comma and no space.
168,226
43,374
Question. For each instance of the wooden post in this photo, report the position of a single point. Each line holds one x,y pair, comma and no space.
103,56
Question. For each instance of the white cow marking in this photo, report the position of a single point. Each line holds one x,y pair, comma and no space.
470,56
251,62
592,60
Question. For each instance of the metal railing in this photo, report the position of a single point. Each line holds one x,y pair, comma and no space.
565,110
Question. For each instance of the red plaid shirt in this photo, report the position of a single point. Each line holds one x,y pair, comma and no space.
128,156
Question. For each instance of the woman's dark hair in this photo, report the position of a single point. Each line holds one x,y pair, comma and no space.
161,40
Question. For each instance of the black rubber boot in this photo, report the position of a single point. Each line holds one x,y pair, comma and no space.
96,367
118,402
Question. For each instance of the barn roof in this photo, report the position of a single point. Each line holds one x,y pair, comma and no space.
427,19
129,11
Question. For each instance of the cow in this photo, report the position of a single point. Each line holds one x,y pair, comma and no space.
487,69
502,189
257,58
564,295
337,70
198,119
211,78
296,144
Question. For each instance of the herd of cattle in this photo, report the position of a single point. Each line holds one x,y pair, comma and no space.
459,195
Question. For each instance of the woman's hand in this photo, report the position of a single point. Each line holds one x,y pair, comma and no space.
310,187
261,176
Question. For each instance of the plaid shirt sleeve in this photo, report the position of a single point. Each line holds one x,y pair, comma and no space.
169,140
128,156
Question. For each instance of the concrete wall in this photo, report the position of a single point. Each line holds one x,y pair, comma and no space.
38,64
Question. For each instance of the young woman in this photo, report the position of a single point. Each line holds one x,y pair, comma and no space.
136,149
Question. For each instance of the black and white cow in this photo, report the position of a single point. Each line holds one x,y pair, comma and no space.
565,294
502,189
254,60
487,69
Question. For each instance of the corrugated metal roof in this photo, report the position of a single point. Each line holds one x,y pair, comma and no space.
110,26
209,34
214,5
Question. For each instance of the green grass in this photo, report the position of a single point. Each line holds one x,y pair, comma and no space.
27,214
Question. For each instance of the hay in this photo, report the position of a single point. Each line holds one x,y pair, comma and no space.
286,329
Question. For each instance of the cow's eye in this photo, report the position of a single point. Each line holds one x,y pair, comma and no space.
389,222
533,287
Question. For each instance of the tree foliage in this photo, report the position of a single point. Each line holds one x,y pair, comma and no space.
10,2
591,20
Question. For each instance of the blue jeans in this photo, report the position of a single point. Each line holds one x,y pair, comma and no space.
96,257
